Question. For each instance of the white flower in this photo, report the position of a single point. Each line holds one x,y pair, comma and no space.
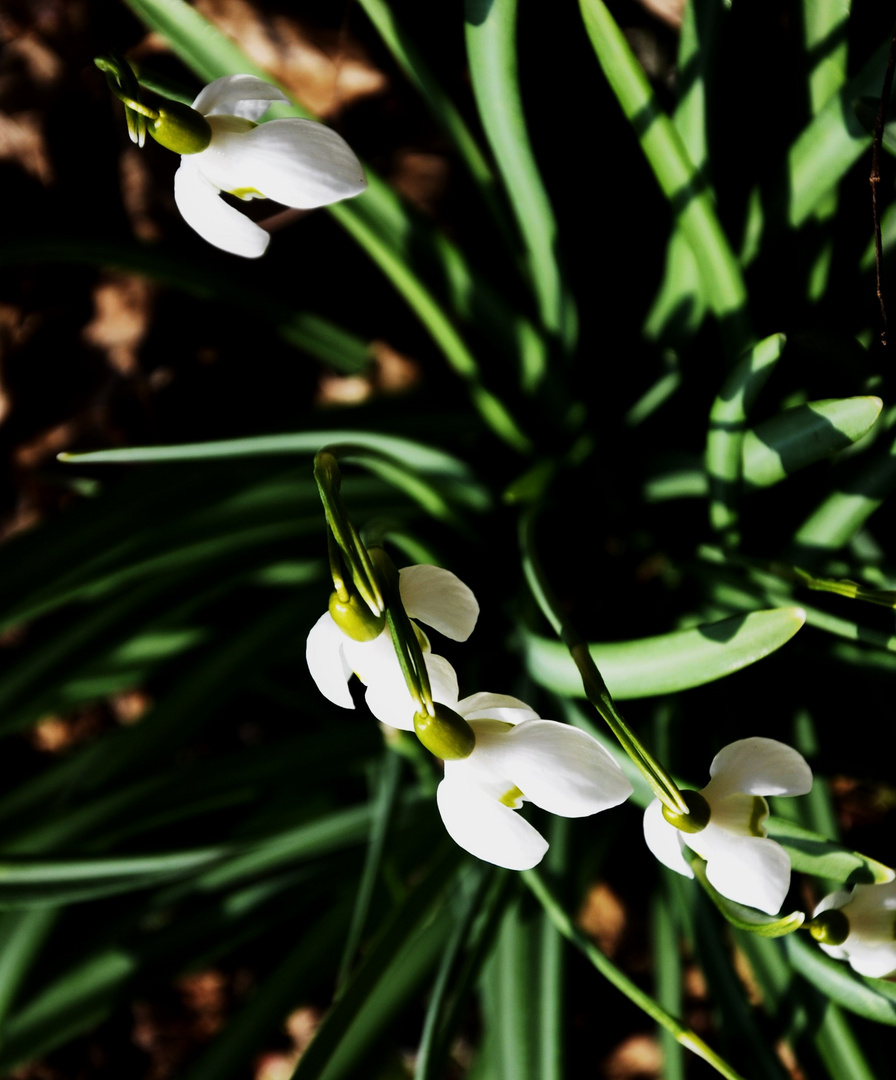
519,758
741,863
295,162
429,593
870,916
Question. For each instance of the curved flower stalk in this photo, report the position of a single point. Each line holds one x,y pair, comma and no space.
860,928
726,823
517,758
299,163
436,597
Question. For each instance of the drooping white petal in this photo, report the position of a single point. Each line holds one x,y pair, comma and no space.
664,840
502,707
562,769
204,210
327,663
758,766
442,679
876,960
237,95
440,599
748,869
487,829
299,163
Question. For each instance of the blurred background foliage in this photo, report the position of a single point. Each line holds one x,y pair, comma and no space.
612,279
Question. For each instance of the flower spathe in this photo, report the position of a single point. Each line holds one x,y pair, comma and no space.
428,593
299,163
741,862
870,915
519,757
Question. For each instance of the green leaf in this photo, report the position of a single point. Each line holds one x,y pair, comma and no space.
393,969
803,435
669,662
491,49
680,180
874,999
727,426
813,854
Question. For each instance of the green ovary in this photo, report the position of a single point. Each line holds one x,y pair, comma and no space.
512,797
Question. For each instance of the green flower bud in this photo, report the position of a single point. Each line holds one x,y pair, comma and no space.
447,734
830,927
354,618
698,818
181,129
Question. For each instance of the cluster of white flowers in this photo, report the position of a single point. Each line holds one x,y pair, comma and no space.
517,757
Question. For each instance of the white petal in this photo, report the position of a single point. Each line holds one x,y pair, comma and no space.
562,769
876,959
758,767
296,162
440,599
484,706
833,900
326,661
442,679
664,840
204,210
237,95
740,814
748,869
390,702
488,829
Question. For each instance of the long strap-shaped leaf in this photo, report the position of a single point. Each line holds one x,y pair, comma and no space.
675,172
491,48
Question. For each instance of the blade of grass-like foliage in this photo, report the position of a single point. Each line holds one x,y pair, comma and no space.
394,967
727,427
485,904
668,662
83,991
381,817
667,980
679,306
245,1033
510,1005
612,974
874,999
811,853
439,325
211,54
821,155
352,443
343,350
676,174
735,1017
824,39
22,935
440,105
840,1049
840,516
491,50
798,437
807,1012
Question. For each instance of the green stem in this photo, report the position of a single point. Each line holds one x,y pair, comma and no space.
662,784
564,924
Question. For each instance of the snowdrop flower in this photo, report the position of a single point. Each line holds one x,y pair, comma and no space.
727,821
859,926
296,162
436,597
517,758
